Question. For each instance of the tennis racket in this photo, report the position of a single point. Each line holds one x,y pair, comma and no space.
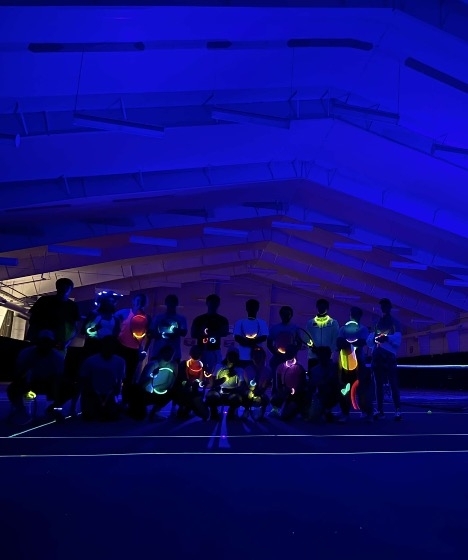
305,338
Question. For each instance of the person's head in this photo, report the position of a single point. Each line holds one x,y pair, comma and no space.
166,353
64,286
171,301
138,301
385,305
252,306
108,347
322,306
286,313
106,306
356,314
195,352
323,354
232,357
258,356
212,303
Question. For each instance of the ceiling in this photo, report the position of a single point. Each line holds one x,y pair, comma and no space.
329,146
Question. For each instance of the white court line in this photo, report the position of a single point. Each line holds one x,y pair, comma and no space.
230,453
246,436
35,428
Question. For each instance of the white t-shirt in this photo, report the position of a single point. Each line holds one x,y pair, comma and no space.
249,328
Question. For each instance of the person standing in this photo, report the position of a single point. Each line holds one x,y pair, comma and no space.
208,330
56,313
168,329
323,330
385,342
133,324
355,376
280,337
250,332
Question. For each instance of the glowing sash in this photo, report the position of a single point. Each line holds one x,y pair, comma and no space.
348,357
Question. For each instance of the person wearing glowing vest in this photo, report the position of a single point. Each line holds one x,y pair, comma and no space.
385,342
355,378
323,331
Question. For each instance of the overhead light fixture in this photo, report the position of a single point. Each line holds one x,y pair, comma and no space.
220,232
116,125
352,246
459,283
159,241
73,250
8,261
12,139
408,265
291,225
240,117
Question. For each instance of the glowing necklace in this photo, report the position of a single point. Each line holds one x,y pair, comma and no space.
165,390
290,363
321,321
189,364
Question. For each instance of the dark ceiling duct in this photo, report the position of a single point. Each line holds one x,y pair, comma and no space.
435,74
330,43
41,48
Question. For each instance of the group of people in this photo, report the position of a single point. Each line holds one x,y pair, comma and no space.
131,361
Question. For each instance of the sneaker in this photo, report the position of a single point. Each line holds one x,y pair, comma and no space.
397,415
379,415
274,413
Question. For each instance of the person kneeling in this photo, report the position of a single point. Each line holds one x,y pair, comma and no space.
259,380
291,395
227,387
101,378
155,385
189,389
